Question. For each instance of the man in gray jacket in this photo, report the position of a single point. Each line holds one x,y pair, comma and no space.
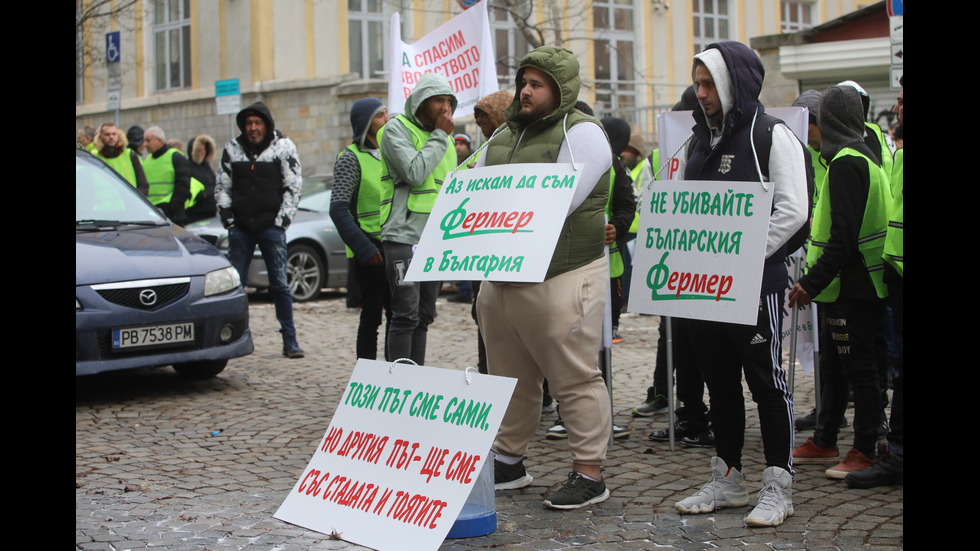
418,153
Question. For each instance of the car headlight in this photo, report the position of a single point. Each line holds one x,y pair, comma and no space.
221,281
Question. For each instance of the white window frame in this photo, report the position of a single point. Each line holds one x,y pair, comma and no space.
802,11
620,89
163,76
708,14
363,16
516,46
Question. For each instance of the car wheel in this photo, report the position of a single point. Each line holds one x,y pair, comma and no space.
304,272
204,369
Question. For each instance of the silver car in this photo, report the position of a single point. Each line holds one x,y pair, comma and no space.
315,254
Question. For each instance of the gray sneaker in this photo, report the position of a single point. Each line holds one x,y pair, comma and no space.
578,491
725,489
775,499
651,407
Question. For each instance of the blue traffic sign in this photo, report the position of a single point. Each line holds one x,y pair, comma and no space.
113,50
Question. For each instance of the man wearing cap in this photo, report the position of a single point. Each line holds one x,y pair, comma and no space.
136,138
418,154
355,208
258,188
553,329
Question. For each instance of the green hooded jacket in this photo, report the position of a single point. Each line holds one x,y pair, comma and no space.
582,238
415,159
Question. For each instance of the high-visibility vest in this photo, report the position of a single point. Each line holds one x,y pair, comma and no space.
121,164
894,252
160,174
616,267
368,207
871,238
421,198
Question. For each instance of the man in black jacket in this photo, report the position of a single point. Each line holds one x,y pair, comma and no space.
258,190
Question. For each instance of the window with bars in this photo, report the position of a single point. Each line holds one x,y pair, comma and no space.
172,44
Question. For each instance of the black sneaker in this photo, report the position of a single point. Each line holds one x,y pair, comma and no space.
809,421
682,429
705,439
887,470
510,477
578,491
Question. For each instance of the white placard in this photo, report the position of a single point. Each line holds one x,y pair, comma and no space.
460,50
700,250
497,223
806,326
401,455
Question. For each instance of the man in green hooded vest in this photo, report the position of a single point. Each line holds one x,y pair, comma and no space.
553,329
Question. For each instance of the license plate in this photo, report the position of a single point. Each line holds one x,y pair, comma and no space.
152,335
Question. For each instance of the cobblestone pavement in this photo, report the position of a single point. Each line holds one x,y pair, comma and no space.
165,463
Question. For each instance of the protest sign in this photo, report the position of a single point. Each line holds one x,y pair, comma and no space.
675,128
498,223
806,326
401,455
700,250
694,231
460,50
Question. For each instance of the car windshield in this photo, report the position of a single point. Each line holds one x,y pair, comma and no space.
318,201
103,199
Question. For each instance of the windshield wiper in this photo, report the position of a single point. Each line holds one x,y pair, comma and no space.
98,225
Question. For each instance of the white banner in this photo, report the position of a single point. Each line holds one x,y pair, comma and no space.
498,223
401,455
806,317
675,128
460,49
700,250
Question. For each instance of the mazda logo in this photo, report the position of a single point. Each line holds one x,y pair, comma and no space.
148,297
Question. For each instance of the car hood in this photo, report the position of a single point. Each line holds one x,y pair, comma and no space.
131,253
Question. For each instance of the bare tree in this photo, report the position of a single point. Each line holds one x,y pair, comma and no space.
89,12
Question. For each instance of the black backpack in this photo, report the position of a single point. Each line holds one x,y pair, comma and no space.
762,136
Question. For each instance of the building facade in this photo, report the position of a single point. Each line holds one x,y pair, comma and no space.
310,59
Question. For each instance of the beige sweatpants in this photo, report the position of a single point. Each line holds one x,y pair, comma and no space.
550,330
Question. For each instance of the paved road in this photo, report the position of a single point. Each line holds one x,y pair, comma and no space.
171,464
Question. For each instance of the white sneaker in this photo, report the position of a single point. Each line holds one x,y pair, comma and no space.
725,489
557,432
775,499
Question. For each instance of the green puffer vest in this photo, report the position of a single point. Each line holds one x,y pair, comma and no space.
871,238
582,238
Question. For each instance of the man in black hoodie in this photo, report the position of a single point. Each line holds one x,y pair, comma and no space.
355,208
844,275
727,79
258,189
